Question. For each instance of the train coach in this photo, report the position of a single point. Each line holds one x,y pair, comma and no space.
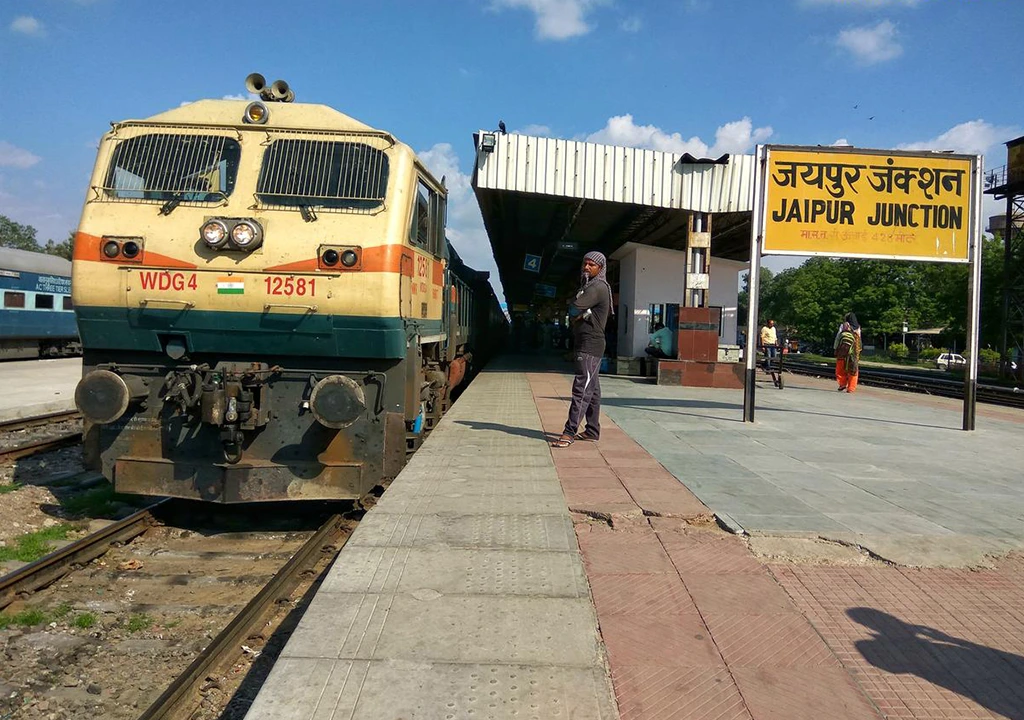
268,303
36,319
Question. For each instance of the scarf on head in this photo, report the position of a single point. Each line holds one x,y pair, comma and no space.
602,261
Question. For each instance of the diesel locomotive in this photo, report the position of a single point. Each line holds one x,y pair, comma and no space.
268,303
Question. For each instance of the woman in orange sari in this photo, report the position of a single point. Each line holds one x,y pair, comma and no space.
848,346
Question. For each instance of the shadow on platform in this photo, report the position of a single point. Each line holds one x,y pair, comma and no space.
507,429
990,677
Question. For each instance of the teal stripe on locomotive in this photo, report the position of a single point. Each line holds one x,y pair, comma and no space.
147,329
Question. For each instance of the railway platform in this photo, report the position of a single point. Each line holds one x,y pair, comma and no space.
38,387
873,569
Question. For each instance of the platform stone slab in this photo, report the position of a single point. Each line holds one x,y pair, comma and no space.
461,594
371,690
876,469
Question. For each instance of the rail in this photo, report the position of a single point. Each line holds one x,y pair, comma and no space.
59,563
175,700
919,382
40,446
38,420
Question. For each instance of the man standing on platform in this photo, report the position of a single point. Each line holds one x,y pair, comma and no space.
588,313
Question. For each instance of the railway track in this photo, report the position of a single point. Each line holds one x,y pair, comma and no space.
919,382
172,587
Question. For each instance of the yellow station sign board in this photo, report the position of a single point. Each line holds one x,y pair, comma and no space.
836,202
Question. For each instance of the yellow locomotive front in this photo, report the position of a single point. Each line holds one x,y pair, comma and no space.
260,292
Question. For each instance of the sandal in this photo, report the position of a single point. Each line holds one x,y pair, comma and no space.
563,442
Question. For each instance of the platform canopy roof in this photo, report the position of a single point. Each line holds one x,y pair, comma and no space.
559,199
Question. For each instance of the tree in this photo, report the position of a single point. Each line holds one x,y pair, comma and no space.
62,249
19,236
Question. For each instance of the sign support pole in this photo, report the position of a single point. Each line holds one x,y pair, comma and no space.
974,306
754,285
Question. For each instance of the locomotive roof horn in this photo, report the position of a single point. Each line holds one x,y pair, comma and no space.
277,92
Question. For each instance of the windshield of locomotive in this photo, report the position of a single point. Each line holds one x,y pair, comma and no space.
326,174
170,167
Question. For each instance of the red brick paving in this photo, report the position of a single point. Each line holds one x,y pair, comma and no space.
697,629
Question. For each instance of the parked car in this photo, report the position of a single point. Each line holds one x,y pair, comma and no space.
945,361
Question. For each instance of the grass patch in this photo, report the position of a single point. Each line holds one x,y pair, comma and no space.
91,503
84,621
8,488
139,622
172,624
27,618
34,545
61,611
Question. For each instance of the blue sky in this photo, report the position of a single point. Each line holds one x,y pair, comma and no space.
704,76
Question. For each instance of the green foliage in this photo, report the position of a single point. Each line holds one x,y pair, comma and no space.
26,618
34,545
813,298
139,622
84,621
15,235
23,237
97,502
899,351
62,249
61,611
988,356
8,487
931,353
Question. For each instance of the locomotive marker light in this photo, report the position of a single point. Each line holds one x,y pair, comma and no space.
337,401
103,396
349,258
329,257
111,249
130,249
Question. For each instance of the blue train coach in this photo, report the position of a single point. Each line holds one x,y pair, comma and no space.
36,319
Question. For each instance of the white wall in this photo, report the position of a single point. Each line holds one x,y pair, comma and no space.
722,292
647,276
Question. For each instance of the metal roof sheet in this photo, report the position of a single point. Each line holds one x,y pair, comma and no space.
593,171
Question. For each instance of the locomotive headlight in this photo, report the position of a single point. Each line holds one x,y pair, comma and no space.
349,258
245,235
111,248
214,233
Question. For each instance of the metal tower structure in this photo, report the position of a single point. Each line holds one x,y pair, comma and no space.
1007,183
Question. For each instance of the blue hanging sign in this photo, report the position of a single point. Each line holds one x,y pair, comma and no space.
545,290
532,263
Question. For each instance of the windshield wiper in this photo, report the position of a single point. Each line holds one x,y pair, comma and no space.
168,207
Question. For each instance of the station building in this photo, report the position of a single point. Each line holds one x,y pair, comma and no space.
676,230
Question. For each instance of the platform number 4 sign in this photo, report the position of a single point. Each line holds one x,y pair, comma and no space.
532,263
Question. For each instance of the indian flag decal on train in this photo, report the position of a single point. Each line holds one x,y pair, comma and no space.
230,286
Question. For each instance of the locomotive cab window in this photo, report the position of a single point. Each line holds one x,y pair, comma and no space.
168,167
14,299
427,229
323,174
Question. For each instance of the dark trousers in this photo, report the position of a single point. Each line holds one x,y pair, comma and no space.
586,396
656,352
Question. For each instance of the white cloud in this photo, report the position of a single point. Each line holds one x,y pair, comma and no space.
556,19
974,137
734,137
465,224
841,142
16,157
632,24
535,130
871,45
27,25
